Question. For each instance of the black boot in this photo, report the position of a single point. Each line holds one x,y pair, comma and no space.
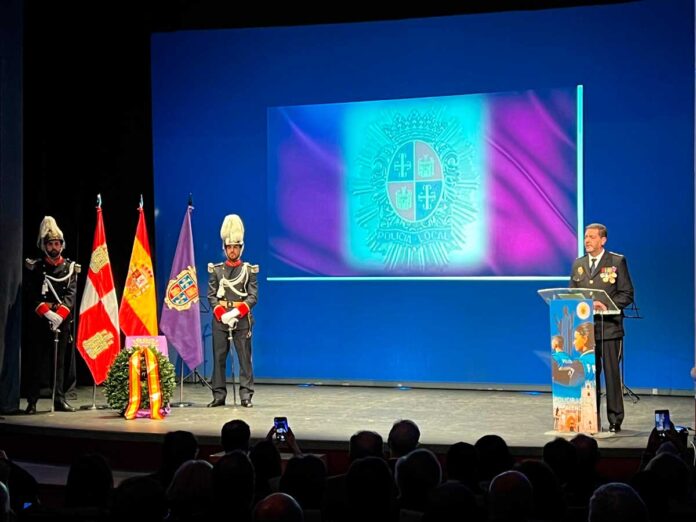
62,405
31,407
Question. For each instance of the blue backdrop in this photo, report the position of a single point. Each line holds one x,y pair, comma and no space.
210,95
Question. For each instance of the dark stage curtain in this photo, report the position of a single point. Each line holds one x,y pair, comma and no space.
10,200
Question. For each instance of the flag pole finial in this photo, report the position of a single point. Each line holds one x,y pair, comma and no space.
141,201
99,201
190,201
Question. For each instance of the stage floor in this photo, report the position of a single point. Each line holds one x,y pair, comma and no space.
324,417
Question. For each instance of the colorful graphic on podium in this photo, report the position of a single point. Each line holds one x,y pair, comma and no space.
574,384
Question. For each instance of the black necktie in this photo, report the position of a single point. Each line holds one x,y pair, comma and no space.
593,264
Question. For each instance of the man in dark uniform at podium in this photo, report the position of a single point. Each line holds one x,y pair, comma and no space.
606,271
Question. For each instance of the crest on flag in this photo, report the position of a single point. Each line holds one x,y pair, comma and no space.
100,258
139,280
418,186
414,181
182,291
98,343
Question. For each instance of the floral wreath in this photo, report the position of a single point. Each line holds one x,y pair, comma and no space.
157,375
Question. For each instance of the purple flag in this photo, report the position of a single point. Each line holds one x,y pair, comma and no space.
181,318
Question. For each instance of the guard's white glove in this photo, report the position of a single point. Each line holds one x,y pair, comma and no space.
54,320
232,323
230,318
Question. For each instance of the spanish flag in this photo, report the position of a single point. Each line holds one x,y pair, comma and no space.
138,312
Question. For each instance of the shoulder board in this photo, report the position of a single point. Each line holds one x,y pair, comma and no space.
211,266
615,254
73,265
254,269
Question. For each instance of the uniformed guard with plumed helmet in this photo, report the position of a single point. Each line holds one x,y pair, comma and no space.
232,292
51,283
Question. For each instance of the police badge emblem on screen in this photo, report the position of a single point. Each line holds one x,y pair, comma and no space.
426,187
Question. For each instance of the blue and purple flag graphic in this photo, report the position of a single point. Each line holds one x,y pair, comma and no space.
472,185
181,319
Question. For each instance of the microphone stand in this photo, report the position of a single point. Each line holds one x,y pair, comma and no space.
633,313
203,381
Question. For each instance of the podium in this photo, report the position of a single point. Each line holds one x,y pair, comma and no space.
573,365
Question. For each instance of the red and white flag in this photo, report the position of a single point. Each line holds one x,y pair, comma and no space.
98,338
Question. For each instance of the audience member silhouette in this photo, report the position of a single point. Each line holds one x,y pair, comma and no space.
370,491
653,493
416,474
6,512
463,466
177,448
190,492
235,435
139,498
510,497
586,478
89,487
267,464
616,502
233,485
403,439
366,444
362,444
23,488
304,479
547,493
278,507
494,457
676,480
562,458
451,502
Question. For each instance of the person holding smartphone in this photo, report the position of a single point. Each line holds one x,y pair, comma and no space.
606,271
232,293
282,435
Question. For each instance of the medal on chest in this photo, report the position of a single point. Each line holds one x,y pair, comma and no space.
608,274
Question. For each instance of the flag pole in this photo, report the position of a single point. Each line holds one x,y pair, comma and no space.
94,405
195,373
181,403
168,322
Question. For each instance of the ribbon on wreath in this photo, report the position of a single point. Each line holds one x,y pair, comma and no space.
135,391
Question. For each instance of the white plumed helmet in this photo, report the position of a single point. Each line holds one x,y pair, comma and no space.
49,231
232,231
